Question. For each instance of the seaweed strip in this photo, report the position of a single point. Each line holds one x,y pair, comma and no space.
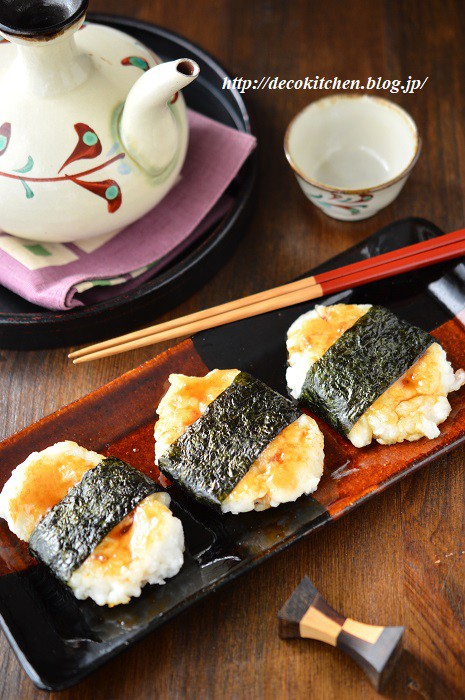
217,450
72,529
360,366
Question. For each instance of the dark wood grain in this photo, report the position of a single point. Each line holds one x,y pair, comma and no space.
399,559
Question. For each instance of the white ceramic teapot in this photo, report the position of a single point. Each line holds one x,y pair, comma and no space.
93,132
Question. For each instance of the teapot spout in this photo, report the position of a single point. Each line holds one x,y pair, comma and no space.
148,127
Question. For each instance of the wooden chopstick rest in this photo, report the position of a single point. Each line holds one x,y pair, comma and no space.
375,649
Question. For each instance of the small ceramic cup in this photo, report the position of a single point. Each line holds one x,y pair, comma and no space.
352,154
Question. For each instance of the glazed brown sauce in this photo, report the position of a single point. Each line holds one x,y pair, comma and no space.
129,540
114,551
279,467
186,400
317,333
48,481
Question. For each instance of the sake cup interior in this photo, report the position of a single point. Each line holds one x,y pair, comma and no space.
352,143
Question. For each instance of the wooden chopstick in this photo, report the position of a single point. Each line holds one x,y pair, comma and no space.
401,260
430,244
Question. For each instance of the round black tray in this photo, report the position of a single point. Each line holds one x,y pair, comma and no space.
26,326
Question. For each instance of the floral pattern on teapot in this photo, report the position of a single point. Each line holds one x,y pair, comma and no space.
87,147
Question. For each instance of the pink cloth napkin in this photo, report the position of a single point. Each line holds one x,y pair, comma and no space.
64,276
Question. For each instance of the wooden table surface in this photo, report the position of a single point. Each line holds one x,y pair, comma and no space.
400,558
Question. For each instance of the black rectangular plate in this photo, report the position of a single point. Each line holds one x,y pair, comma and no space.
58,639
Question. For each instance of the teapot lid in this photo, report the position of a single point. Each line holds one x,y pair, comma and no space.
39,18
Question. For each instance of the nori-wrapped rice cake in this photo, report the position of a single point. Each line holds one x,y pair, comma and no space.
235,444
369,374
102,527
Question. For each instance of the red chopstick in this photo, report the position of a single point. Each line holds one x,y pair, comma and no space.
413,257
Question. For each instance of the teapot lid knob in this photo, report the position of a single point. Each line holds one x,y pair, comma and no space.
39,18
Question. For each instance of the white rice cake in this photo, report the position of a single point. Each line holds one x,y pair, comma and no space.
410,409
290,466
